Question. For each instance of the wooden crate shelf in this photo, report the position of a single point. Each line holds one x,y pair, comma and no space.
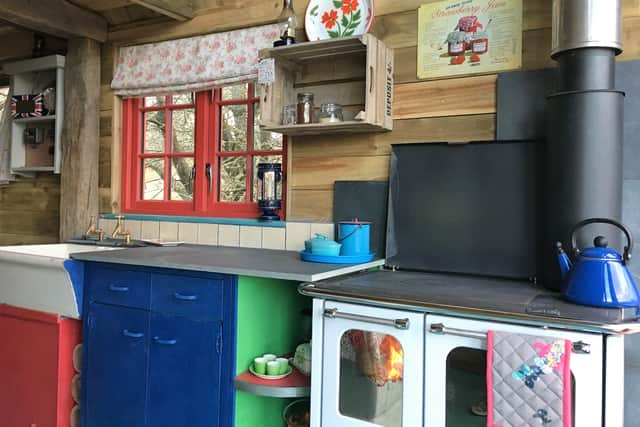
350,126
356,72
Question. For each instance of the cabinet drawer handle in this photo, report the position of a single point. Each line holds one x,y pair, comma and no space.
116,288
185,297
131,334
165,342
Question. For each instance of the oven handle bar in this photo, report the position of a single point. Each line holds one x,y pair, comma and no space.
578,347
332,313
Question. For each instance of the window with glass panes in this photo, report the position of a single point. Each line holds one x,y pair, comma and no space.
196,154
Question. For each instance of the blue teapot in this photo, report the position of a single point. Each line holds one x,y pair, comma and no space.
599,277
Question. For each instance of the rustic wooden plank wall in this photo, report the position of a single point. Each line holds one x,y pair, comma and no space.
29,208
460,109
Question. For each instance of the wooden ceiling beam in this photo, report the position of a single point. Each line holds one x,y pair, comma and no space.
102,5
180,10
58,18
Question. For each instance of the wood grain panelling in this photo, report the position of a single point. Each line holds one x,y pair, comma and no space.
435,129
104,169
452,97
28,223
631,38
311,205
29,211
455,110
319,173
232,17
26,239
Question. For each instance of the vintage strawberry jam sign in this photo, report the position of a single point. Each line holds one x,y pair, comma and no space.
460,37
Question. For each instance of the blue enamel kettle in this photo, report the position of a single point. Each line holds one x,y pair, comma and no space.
600,277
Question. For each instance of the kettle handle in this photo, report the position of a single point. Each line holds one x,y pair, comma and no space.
627,249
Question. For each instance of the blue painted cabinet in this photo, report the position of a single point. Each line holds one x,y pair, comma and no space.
185,356
117,365
159,348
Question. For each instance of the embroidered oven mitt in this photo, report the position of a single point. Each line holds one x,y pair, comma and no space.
528,381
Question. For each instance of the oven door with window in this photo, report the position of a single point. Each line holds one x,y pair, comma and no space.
371,366
455,370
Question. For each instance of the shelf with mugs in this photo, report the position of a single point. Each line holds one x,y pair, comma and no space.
354,72
292,384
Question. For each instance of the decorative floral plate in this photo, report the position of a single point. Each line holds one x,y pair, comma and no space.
330,19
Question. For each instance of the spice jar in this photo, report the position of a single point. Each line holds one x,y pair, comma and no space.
305,108
330,113
290,114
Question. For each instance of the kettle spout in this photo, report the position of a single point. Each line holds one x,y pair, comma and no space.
563,261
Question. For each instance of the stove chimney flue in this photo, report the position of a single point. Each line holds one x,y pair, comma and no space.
585,119
586,23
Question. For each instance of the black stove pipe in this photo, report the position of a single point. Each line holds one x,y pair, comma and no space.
585,134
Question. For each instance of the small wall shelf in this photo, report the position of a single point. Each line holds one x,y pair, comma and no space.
30,77
36,119
356,72
293,386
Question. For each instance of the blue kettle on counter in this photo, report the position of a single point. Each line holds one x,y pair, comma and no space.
599,277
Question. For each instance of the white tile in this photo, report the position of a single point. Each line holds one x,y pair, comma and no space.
134,227
250,237
323,228
188,232
208,234
169,231
273,238
150,230
106,225
297,233
229,235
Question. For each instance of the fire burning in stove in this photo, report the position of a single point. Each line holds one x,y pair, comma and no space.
395,358
379,356
371,377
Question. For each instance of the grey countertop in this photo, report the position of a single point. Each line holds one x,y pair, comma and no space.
469,296
266,263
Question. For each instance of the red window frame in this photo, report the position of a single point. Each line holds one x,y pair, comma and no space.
208,136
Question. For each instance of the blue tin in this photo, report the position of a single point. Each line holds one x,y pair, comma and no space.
328,259
354,236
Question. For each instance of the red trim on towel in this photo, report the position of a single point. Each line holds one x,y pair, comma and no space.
490,379
566,398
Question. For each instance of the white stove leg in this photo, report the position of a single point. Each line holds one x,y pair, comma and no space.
316,362
614,381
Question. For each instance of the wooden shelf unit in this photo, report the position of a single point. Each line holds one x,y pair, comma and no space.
51,117
30,77
356,72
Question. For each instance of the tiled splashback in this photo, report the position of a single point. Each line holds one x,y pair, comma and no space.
290,238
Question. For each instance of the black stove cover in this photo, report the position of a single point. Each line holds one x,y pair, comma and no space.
465,208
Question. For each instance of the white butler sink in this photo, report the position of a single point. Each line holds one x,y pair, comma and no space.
43,278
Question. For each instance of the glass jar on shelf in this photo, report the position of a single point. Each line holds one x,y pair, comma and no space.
305,108
330,113
290,114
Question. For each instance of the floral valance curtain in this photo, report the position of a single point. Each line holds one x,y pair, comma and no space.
191,64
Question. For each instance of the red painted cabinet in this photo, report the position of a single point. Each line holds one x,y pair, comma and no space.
36,367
